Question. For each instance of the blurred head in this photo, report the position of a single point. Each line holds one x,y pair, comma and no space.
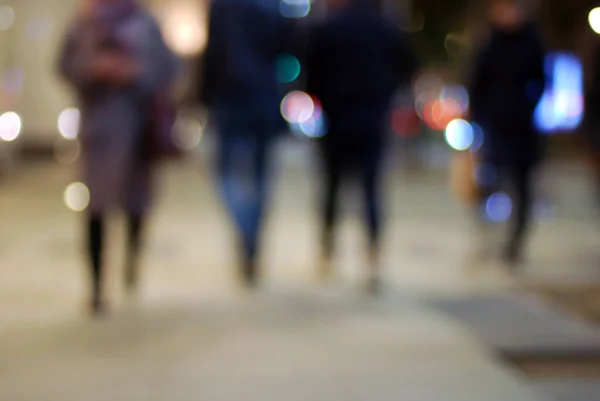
508,14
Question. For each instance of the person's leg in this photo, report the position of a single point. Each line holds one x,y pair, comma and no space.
332,178
371,183
242,175
252,222
135,227
95,248
521,178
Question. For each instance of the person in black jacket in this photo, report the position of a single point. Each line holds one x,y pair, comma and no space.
356,60
508,82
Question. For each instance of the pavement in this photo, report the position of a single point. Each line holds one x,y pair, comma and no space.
190,334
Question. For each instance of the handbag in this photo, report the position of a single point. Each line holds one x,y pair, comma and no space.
161,139
462,177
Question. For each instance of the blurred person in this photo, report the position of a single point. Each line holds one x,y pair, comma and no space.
115,58
239,86
356,61
507,84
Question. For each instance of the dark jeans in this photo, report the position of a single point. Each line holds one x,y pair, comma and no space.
350,161
519,177
242,169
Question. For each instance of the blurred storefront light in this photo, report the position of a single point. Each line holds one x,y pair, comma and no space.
7,17
77,197
184,26
68,123
10,126
459,134
294,8
561,107
594,19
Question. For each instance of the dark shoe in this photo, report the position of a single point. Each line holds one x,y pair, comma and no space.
98,308
373,285
249,273
512,256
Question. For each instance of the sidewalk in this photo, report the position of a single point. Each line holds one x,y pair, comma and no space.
192,336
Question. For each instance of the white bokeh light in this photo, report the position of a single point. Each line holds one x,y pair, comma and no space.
7,17
68,123
77,196
10,126
184,27
187,133
297,107
459,134
594,19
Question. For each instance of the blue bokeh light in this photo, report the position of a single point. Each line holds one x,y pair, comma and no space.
561,107
498,207
294,8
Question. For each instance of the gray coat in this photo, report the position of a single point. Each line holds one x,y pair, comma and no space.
114,120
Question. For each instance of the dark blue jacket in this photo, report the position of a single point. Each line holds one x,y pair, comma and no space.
245,37
508,82
356,61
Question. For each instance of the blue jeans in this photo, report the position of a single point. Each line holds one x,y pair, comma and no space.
242,169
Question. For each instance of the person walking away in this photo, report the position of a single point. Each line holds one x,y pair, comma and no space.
356,61
240,88
507,84
116,60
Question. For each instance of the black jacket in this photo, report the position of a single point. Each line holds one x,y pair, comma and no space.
508,82
356,60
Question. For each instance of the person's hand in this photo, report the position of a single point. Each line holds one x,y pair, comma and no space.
114,68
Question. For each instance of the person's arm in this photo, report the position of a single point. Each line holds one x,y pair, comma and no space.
406,63
314,62
539,78
209,68
75,59
480,76
156,67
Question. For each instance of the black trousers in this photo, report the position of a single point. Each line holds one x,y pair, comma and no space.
518,178
361,161
96,236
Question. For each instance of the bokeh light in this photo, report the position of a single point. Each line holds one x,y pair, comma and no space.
294,8
77,196
594,19
184,26
10,126
459,134
561,107
68,123
67,152
405,122
297,107
187,133
7,17
478,137
12,80
288,68
458,94
498,207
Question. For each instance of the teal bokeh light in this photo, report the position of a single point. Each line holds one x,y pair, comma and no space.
288,68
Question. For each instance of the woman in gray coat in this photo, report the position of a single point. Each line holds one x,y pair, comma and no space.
115,58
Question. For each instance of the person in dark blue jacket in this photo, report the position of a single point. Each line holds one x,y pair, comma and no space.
508,82
239,86
356,61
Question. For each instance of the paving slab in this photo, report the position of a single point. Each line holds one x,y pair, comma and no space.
569,389
522,326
